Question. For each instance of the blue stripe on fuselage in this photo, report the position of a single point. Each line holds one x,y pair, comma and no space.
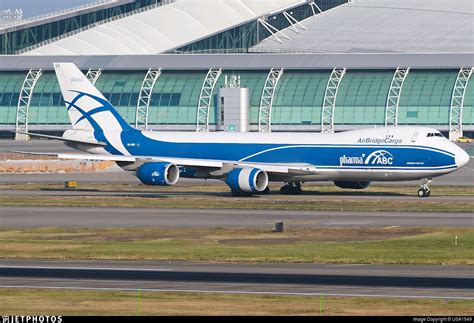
319,155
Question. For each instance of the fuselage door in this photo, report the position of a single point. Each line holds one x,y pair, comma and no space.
414,136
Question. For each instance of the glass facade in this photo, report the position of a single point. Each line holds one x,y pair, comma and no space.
47,104
361,99
19,39
122,90
10,86
468,110
175,98
426,97
299,97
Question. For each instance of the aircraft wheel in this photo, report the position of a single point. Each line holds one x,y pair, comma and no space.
289,189
285,190
422,192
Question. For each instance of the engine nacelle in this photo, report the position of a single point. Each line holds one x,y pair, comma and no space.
247,180
358,185
159,173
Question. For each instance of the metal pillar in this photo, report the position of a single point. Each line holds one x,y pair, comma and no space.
314,5
266,101
144,98
24,103
294,23
274,31
93,74
205,99
457,103
329,103
393,98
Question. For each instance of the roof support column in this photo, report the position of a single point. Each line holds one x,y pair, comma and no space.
205,99
93,75
294,23
24,103
457,103
329,103
274,31
266,101
393,98
144,98
313,5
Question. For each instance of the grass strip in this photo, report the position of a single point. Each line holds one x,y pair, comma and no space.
85,302
328,245
257,202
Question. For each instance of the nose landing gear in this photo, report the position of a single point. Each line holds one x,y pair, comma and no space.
292,188
424,190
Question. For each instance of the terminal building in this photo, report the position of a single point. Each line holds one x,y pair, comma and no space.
249,65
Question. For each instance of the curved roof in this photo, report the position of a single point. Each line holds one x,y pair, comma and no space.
397,26
163,28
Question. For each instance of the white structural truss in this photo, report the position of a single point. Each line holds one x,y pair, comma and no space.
329,103
274,31
295,24
24,103
266,101
144,98
93,74
313,5
393,98
205,99
457,102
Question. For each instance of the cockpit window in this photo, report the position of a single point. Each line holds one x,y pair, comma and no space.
434,134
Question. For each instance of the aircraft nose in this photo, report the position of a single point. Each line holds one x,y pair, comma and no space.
462,158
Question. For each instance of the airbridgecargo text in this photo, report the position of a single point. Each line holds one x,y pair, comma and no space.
386,140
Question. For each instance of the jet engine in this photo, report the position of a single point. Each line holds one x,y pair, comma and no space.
247,180
358,185
159,173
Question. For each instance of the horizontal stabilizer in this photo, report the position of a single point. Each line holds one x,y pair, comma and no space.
90,143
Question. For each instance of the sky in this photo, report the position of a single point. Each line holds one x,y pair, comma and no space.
39,7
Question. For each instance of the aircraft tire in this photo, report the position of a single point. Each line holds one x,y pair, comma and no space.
290,190
423,192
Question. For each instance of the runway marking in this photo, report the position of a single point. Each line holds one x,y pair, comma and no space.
241,292
349,222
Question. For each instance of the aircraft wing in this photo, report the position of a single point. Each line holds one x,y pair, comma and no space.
204,163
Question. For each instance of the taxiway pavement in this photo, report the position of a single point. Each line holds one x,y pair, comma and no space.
406,281
101,217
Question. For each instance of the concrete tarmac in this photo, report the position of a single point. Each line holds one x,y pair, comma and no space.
102,217
406,281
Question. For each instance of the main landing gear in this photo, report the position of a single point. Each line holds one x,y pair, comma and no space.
424,190
291,189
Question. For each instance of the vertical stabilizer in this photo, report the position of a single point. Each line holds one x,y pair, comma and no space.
88,109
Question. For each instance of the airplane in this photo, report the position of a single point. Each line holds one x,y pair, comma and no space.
247,161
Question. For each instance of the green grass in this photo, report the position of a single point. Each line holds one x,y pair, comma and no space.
308,188
344,246
70,302
254,203
323,198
